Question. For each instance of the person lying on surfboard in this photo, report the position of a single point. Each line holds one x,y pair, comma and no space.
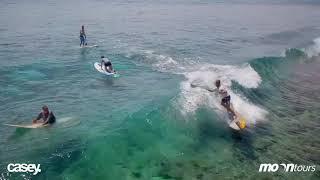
226,98
107,65
45,116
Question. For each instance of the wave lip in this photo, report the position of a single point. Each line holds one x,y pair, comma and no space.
161,62
314,49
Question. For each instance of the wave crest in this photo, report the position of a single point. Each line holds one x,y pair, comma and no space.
191,98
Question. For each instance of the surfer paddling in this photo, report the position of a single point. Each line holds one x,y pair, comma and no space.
45,116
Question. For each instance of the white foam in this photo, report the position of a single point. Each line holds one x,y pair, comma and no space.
251,112
192,98
64,119
314,49
159,61
204,75
65,122
245,75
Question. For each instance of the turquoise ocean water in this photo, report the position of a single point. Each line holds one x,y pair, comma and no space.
150,123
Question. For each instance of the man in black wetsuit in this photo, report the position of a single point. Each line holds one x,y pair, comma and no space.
45,117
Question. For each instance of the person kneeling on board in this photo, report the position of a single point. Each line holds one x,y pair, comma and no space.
45,117
226,98
106,65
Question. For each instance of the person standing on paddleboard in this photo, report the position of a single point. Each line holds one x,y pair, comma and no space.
83,37
226,98
45,117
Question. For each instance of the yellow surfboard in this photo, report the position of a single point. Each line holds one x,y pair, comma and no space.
239,123
242,122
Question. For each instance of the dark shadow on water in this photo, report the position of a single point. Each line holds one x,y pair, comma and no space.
19,132
108,81
208,129
83,51
59,159
243,141
242,144
54,160
103,81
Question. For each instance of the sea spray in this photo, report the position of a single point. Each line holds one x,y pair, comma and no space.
191,98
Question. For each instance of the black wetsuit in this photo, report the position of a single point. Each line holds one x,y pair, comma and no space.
107,63
226,100
51,117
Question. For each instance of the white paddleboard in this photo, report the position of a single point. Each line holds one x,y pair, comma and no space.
97,66
89,46
29,126
63,122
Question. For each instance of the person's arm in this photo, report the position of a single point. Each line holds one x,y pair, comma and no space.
38,118
203,87
46,121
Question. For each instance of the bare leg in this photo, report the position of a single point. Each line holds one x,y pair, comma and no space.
229,109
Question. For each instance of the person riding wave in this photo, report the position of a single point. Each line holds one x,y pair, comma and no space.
106,65
226,98
221,91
